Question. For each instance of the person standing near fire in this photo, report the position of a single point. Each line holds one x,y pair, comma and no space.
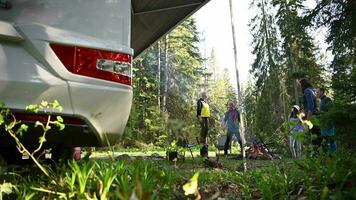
232,123
203,115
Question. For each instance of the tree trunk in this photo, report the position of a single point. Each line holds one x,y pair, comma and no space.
165,95
294,67
242,132
159,76
294,70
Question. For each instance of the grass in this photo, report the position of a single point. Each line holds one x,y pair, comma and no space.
143,177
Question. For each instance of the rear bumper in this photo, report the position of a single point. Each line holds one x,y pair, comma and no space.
105,109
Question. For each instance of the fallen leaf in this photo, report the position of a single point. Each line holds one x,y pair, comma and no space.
192,186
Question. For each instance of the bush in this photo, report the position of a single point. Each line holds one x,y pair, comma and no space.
343,116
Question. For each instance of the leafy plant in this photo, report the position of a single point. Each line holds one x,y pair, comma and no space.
16,129
173,147
325,176
105,177
80,175
6,188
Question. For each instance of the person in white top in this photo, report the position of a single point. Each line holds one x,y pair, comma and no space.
296,126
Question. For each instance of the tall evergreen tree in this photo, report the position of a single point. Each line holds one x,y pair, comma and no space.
339,17
213,64
222,91
185,66
266,68
179,63
298,49
249,103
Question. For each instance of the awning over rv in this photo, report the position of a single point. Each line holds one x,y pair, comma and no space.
151,19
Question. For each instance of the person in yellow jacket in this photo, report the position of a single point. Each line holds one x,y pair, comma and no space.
203,114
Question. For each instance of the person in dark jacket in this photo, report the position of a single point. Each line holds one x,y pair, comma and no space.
203,114
327,130
310,109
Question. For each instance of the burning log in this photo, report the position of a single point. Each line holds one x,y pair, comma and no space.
258,150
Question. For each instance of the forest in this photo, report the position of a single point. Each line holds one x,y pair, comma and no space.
170,76
168,79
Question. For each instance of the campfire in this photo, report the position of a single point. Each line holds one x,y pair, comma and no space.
259,150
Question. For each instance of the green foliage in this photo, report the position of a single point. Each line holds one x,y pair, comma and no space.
106,178
286,52
6,188
339,18
80,176
322,177
162,140
265,42
16,128
2,113
342,117
221,92
298,50
266,102
249,102
175,89
173,147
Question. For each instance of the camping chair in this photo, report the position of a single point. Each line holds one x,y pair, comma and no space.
220,145
188,146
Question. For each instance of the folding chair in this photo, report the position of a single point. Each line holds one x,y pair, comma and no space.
220,145
188,146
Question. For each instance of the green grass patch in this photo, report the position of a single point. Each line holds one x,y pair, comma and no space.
141,176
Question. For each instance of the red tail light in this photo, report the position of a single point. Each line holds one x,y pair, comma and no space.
101,64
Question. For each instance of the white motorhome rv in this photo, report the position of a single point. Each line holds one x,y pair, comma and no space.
79,53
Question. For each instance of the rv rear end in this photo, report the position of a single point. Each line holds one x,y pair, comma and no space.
73,51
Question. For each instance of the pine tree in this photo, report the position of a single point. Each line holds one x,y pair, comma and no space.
266,68
222,91
340,18
165,73
213,64
298,50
